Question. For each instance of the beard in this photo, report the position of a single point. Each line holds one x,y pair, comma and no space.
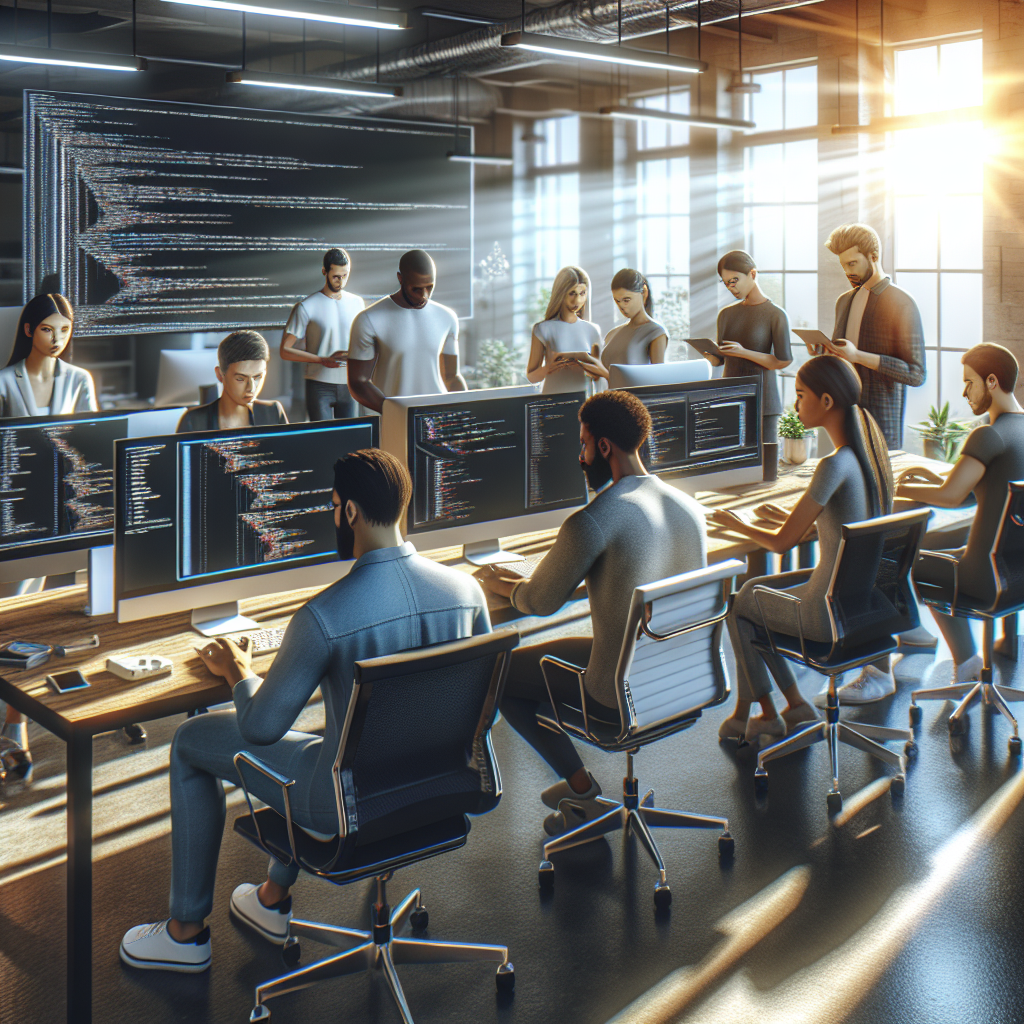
598,472
346,539
413,300
331,288
983,406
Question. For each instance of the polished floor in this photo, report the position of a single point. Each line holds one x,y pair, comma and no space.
903,910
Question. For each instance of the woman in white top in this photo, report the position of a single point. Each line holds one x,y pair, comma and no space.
565,344
642,340
38,379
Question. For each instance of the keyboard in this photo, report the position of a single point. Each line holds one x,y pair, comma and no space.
524,568
264,641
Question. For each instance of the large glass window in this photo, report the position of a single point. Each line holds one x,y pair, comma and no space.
664,134
936,182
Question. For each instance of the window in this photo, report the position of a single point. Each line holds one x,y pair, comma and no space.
787,100
546,212
936,182
664,134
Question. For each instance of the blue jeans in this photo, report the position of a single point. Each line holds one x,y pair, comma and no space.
201,756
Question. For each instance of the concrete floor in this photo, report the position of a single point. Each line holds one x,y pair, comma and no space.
905,911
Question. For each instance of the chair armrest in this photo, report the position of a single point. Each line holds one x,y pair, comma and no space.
245,758
580,674
946,557
757,591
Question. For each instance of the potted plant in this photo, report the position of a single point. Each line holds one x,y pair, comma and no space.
942,436
795,438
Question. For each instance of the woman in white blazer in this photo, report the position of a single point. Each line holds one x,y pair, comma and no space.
38,379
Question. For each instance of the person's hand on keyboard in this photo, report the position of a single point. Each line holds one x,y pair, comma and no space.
498,580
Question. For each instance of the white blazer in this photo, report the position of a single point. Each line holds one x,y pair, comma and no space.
73,391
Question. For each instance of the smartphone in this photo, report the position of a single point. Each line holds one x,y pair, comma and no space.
64,682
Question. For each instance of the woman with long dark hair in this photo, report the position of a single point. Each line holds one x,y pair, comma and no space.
850,485
39,379
641,339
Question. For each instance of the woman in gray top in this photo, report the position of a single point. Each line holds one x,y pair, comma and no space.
852,484
754,335
641,340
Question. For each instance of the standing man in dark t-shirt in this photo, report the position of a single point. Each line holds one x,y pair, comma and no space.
754,335
878,329
991,457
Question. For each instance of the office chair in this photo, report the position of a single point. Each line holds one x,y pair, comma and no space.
869,601
1008,568
670,669
414,760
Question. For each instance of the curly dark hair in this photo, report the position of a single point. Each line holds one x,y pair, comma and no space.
618,416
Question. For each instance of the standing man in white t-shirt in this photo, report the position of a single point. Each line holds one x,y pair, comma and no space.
317,334
405,344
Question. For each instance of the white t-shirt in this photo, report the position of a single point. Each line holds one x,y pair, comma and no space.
407,344
323,324
559,336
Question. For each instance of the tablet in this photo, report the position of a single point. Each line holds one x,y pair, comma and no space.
706,345
819,339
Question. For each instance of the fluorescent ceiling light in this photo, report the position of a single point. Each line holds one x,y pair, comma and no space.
331,85
692,120
596,51
933,119
480,158
68,58
308,10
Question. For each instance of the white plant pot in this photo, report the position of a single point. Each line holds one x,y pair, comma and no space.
795,450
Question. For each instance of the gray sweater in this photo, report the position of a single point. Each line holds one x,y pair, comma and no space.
761,328
634,532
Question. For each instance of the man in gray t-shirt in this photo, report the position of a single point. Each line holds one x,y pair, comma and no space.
636,530
991,457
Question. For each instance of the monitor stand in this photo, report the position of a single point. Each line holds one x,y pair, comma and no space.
101,581
220,619
486,552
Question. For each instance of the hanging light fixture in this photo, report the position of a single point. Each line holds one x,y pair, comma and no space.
580,50
310,10
738,85
693,120
307,84
70,58
493,160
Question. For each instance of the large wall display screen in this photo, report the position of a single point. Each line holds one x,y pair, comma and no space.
179,217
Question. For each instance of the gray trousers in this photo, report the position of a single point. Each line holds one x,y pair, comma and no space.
753,681
956,630
329,401
201,756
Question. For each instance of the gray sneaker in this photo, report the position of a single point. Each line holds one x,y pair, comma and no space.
573,813
555,794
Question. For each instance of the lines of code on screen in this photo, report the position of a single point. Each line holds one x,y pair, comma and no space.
57,480
493,459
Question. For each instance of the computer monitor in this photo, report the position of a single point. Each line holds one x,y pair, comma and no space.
706,435
57,494
486,464
204,519
182,372
622,375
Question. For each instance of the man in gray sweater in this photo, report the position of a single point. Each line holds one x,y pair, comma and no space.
636,530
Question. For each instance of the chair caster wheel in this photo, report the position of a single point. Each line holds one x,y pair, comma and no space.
915,714
259,1013
134,735
726,846
546,874
910,750
291,951
419,919
662,895
958,726
505,979
898,785
1014,746
760,781
835,802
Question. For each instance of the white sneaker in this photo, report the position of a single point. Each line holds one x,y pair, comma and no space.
870,685
970,670
820,699
270,922
151,948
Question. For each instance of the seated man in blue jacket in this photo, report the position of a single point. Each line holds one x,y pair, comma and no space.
391,600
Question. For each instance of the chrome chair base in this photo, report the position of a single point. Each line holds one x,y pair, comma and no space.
968,694
637,816
835,732
376,949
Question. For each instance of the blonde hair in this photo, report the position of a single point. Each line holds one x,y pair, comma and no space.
565,280
863,236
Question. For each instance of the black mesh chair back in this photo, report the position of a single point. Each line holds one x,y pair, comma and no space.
871,595
1008,551
416,744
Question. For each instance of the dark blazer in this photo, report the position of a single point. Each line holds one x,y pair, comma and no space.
206,417
891,328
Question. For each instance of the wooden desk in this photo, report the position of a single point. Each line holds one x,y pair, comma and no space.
110,703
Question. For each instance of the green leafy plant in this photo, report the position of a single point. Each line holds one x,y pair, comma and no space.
538,305
947,435
497,365
790,425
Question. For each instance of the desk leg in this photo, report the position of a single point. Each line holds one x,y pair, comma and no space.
786,561
805,555
79,824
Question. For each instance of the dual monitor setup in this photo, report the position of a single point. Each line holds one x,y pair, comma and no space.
193,522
